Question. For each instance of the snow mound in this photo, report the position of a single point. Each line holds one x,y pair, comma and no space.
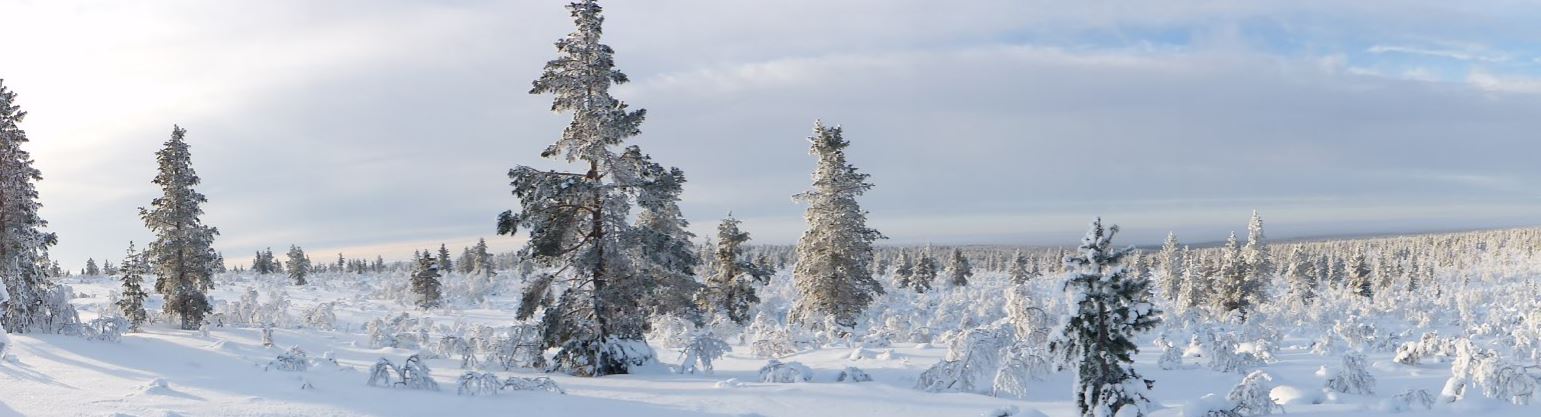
1293,395
1013,411
729,383
157,386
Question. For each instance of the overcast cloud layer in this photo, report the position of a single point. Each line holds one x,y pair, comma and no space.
370,127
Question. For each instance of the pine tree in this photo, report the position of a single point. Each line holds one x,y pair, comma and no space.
444,261
131,304
610,276
1021,269
180,255
905,271
1195,281
425,281
1171,258
1233,281
481,259
1358,274
1098,340
91,269
23,243
1257,261
925,273
662,242
730,289
833,275
299,265
958,269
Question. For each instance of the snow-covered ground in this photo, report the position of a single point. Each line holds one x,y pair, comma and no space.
163,371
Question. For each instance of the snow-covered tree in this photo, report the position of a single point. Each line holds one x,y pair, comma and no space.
833,276
1169,279
925,273
609,276
662,243
23,243
730,290
1195,288
91,268
904,271
445,264
1236,287
958,269
1353,377
1357,274
1098,340
180,255
264,263
1022,269
298,265
1257,261
131,302
426,287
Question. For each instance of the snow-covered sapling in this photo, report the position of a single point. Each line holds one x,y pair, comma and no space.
853,374
1352,377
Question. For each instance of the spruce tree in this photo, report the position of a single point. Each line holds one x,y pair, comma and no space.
609,276
1111,307
481,259
1233,281
23,243
425,282
925,273
131,303
1171,259
958,269
904,273
730,289
180,255
1358,273
299,265
91,269
1020,271
445,264
1257,261
833,275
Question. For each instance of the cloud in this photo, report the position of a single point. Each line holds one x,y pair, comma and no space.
385,126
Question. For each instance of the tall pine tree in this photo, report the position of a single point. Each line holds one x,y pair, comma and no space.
1111,306
833,275
609,276
23,243
181,254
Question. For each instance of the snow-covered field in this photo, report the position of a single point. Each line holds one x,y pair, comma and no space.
163,371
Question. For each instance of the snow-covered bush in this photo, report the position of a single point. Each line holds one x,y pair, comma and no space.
295,360
779,372
1412,399
105,329
384,373
532,384
412,374
474,384
1352,377
415,375
773,343
853,374
1490,374
321,316
972,361
1251,395
702,348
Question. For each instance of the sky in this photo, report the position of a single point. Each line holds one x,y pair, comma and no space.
383,126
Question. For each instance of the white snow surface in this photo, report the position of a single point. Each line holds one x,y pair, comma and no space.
164,371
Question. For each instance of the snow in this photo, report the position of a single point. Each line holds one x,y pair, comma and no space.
166,371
